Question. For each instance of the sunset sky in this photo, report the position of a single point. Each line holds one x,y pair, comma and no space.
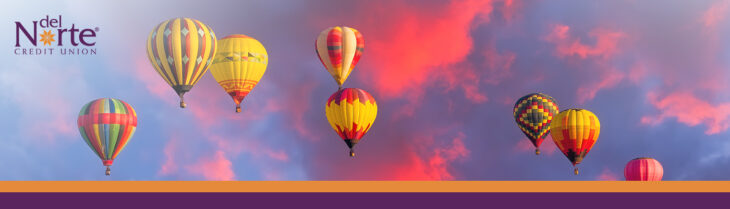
445,75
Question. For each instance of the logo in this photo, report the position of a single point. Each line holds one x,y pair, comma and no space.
50,36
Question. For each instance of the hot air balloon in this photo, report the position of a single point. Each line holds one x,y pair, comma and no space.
181,50
643,169
351,112
339,49
239,64
533,114
575,131
107,125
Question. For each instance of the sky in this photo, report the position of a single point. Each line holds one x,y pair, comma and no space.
445,75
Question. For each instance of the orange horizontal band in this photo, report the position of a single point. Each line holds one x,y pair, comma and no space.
363,186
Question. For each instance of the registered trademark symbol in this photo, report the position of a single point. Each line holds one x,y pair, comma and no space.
96,29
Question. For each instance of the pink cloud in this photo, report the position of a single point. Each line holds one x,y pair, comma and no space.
638,72
609,79
690,110
606,44
598,55
466,78
412,44
169,166
715,14
499,65
218,167
510,8
249,146
210,105
607,175
153,82
297,101
495,68
435,166
45,111
213,168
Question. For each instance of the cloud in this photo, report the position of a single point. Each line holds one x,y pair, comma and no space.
690,110
254,147
153,82
607,175
296,104
169,166
566,45
464,77
492,68
716,14
609,79
436,165
510,9
213,168
411,44
601,73
638,72
46,97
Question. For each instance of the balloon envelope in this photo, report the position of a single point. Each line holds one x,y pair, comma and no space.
643,169
533,114
239,64
181,50
339,49
106,126
351,112
575,131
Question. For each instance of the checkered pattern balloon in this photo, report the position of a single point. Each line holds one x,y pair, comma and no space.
533,114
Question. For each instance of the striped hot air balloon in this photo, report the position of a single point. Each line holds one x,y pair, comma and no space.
107,125
239,64
575,131
533,114
181,50
643,169
339,49
351,112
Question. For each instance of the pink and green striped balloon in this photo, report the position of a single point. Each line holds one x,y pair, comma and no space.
107,125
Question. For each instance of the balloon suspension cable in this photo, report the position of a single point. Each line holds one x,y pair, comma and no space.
352,153
537,151
108,171
182,102
575,171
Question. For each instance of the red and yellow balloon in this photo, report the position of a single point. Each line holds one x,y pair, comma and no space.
575,131
351,112
339,49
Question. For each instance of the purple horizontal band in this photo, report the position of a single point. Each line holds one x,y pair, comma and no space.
363,200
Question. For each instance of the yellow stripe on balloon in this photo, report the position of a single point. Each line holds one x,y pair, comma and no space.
151,56
176,51
160,42
346,114
209,43
192,47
